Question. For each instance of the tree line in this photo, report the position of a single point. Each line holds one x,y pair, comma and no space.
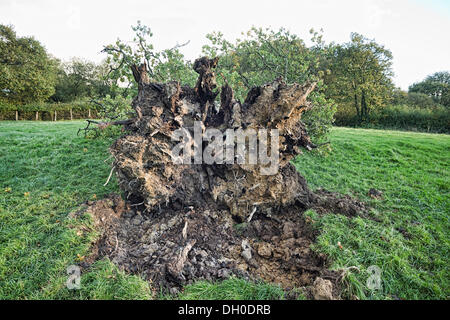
354,79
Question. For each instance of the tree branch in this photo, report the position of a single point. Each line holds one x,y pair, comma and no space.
102,125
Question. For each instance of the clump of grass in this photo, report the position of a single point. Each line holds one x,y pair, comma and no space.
411,243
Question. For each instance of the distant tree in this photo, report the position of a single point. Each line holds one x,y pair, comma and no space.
79,79
413,99
435,86
361,75
104,86
27,72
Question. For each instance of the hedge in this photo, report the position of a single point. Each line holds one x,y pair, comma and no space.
48,111
436,119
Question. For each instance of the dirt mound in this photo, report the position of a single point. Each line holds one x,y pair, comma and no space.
177,247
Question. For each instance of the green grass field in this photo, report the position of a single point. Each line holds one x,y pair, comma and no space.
46,171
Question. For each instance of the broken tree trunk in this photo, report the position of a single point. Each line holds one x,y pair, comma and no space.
149,176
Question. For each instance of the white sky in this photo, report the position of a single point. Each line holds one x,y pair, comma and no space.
416,31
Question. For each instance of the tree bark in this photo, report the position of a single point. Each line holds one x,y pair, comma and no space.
358,113
364,110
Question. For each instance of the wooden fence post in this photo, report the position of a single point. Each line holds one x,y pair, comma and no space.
17,115
37,115
55,116
89,113
71,116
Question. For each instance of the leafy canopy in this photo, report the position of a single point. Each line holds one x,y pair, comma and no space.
361,75
435,86
78,79
165,65
27,72
264,55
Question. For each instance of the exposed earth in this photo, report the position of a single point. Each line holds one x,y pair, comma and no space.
177,247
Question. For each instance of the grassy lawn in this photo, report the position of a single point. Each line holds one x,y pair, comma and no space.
46,171
412,170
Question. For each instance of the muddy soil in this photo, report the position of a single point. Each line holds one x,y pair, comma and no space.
174,248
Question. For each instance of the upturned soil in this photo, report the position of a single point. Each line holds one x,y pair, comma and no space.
174,248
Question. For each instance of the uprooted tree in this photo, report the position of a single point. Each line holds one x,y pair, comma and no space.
180,220
148,174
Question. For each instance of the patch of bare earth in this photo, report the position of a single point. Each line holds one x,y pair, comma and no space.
177,247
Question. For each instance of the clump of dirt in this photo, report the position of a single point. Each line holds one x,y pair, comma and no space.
375,194
323,289
332,202
177,247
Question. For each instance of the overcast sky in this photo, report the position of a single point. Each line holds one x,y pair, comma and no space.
416,31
